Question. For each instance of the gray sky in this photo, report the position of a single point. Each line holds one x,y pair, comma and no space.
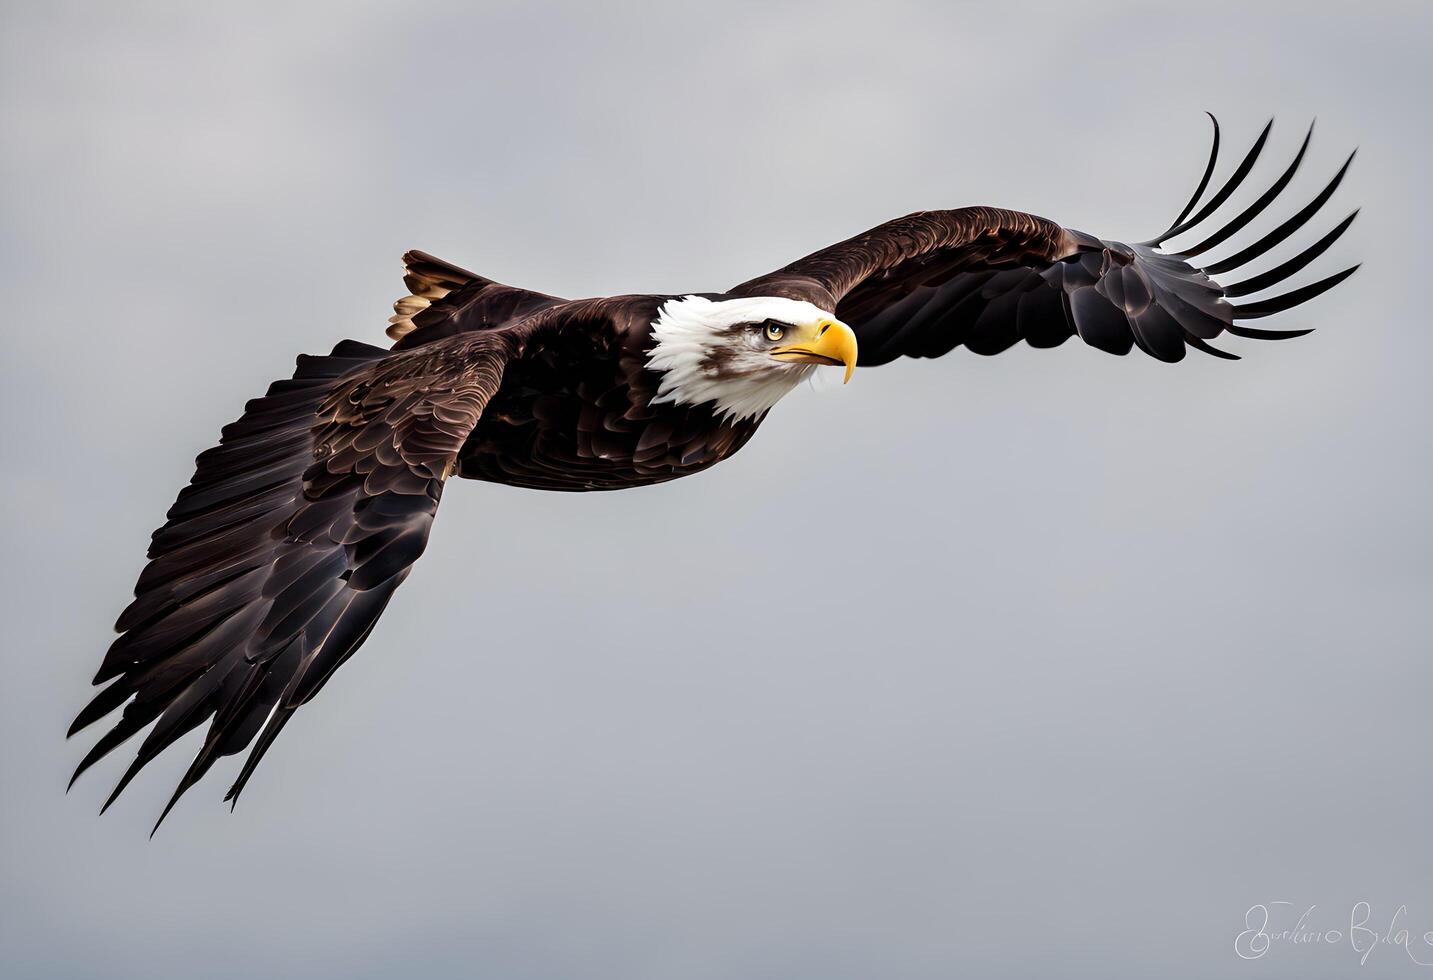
1138,647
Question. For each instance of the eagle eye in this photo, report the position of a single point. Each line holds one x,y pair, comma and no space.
774,330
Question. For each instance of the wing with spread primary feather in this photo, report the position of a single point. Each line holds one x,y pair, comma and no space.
286,546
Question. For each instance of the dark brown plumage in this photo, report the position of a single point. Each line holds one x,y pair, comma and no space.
296,529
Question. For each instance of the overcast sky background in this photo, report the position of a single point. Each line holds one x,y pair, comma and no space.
1046,664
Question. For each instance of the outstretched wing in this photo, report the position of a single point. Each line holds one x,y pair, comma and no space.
987,278
286,546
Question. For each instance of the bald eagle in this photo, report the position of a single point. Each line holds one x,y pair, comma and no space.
281,553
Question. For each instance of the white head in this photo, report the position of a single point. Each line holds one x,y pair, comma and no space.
743,354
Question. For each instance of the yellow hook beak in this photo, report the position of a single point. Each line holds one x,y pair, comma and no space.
829,342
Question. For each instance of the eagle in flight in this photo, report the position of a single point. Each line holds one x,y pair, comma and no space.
281,553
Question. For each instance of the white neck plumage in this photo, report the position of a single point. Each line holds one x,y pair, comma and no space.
703,354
